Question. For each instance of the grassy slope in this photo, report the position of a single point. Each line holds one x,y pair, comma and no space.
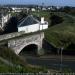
62,34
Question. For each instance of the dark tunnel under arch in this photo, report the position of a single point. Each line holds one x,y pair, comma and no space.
30,49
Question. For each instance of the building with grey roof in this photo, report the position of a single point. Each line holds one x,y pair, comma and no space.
31,24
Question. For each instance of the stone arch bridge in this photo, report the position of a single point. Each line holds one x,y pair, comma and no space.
18,41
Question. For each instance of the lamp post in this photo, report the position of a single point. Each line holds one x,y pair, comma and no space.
61,58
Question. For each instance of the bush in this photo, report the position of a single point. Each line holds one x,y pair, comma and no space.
56,20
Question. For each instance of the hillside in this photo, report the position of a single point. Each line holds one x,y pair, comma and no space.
63,34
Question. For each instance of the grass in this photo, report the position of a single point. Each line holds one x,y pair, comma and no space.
20,65
9,55
61,34
22,69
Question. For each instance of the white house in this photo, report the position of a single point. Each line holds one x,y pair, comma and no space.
30,24
16,9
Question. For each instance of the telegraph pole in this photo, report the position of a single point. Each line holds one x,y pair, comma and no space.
61,58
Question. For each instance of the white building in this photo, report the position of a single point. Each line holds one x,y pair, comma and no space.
33,9
15,9
4,19
30,24
44,8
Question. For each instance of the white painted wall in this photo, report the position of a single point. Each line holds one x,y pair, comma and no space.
34,27
42,27
29,28
33,9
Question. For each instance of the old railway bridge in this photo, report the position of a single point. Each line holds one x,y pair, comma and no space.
17,41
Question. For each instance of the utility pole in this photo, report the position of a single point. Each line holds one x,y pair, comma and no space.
61,58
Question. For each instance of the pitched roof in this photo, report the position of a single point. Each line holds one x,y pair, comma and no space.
29,20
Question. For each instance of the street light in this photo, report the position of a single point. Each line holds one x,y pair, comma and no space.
61,58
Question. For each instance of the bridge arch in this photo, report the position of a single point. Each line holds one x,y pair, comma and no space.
29,49
17,44
32,45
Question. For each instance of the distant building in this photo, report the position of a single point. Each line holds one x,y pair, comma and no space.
31,24
58,7
3,19
44,8
51,8
15,9
33,9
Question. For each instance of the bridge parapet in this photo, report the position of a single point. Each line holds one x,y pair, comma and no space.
16,34
10,35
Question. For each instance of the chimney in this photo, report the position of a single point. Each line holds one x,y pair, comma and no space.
42,20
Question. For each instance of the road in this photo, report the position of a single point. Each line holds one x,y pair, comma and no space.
51,61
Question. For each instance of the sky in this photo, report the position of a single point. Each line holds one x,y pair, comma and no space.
39,2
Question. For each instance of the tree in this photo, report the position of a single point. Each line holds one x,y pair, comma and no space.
11,25
67,9
56,20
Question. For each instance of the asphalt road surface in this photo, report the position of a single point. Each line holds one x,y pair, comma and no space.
51,61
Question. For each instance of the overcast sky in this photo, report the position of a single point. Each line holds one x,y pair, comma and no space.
46,2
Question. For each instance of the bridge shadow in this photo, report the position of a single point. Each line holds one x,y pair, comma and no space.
29,50
70,50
